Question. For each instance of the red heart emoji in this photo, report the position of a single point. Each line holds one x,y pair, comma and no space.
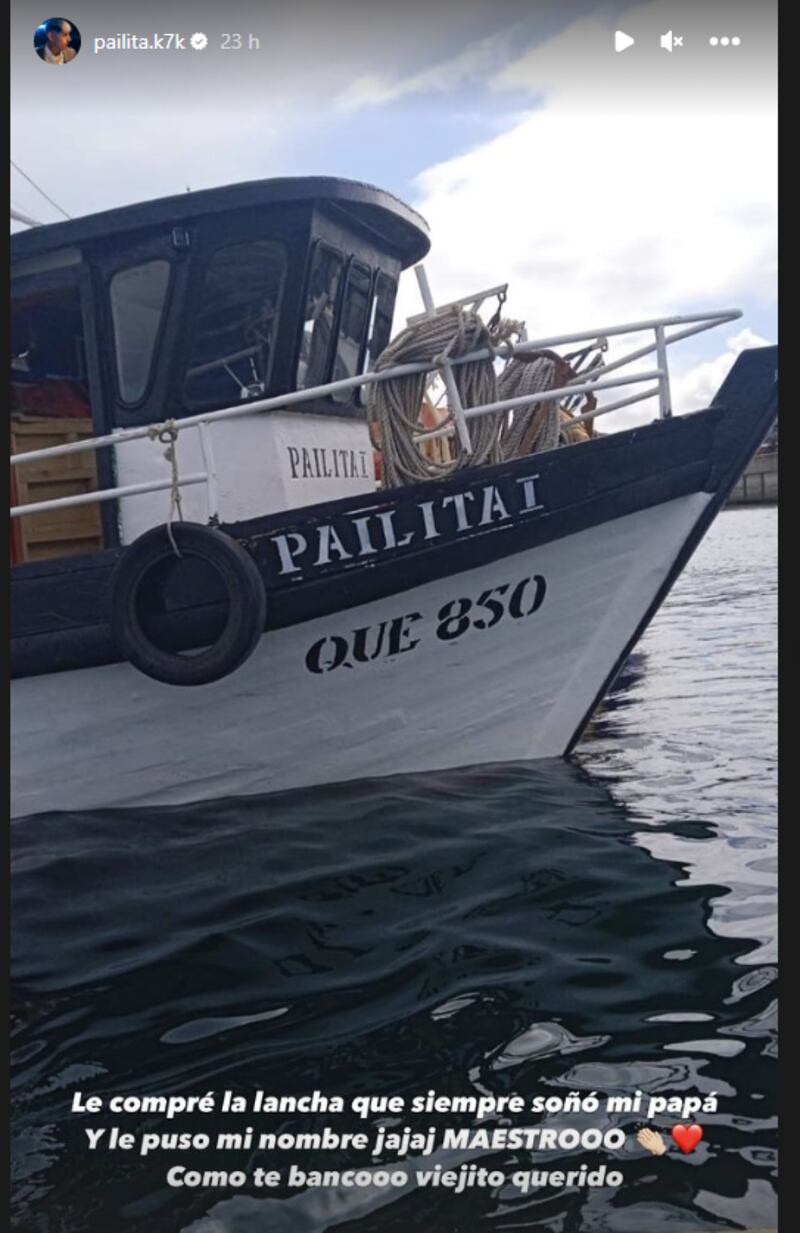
687,1137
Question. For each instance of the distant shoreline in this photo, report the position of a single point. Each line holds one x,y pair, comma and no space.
759,483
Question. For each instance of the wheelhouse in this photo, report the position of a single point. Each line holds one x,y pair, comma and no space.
190,304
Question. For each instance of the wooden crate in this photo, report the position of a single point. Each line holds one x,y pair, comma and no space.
62,532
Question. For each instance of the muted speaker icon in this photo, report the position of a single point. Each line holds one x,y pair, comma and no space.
668,41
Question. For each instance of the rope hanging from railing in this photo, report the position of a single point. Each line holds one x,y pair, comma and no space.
167,434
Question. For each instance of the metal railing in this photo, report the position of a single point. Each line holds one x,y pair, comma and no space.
695,323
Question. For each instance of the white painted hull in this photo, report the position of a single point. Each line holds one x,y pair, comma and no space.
109,736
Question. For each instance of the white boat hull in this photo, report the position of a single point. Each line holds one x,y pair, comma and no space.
108,736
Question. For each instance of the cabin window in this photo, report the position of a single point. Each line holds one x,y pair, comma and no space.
380,324
50,405
47,348
137,295
352,327
321,300
235,330
380,327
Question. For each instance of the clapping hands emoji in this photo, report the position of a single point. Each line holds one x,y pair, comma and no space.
651,1140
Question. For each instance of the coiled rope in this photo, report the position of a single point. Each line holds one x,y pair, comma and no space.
394,406
533,428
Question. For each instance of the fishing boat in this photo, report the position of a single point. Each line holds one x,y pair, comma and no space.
262,540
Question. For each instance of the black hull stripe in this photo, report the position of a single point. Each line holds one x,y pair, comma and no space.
59,609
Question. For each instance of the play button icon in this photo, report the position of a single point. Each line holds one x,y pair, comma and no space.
622,40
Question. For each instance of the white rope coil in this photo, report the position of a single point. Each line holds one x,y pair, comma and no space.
395,405
536,427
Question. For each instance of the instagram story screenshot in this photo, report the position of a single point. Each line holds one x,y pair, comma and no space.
393,654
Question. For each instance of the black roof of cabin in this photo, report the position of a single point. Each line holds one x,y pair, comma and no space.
399,227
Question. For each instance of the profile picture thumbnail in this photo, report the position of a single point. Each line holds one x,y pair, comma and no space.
57,40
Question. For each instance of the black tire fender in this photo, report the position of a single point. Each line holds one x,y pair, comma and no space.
246,596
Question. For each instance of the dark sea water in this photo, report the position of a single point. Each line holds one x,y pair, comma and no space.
604,925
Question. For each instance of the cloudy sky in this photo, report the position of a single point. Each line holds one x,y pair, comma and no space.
604,187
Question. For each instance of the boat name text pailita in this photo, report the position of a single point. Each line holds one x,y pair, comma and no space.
381,532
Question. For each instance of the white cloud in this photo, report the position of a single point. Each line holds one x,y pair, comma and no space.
623,234
696,387
475,60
